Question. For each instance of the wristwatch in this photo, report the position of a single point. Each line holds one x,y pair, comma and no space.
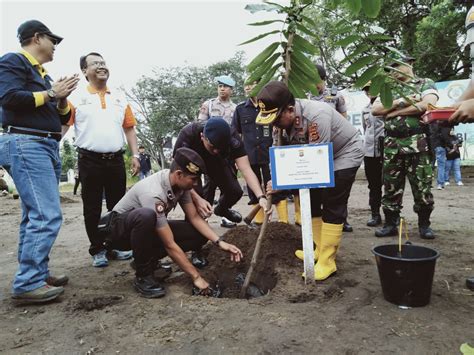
402,103
51,93
136,156
261,196
220,239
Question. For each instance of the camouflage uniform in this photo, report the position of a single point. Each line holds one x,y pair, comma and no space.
407,154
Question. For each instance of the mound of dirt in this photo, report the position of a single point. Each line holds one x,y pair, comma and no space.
278,246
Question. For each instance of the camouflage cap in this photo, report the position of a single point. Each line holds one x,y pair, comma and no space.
397,57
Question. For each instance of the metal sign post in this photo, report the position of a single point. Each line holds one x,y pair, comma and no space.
303,167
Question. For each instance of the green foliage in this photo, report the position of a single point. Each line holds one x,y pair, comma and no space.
466,349
438,43
300,41
68,156
169,99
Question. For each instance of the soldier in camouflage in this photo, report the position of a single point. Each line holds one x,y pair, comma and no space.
406,151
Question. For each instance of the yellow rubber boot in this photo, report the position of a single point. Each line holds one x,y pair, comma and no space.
282,210
296,200
330,240
259,216
316,223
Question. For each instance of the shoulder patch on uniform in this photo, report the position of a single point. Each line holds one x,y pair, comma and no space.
313,132
160,207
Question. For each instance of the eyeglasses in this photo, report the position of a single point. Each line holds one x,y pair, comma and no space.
97,63
54,41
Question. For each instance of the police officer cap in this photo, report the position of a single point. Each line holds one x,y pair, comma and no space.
190,161
217,132
272,100
29,28
226,80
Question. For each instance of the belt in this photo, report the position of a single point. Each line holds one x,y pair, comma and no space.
104,156
55,135
405,133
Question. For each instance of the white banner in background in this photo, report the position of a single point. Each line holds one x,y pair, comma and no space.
449,92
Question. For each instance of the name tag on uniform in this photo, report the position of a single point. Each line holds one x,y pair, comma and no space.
266,131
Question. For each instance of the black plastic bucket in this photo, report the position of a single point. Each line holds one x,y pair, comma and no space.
407,278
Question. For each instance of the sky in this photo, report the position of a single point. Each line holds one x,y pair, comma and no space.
136,36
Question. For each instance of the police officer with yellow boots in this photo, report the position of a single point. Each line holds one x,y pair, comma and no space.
307,121
257,140
333,98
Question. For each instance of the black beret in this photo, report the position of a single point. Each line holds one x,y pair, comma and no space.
190,161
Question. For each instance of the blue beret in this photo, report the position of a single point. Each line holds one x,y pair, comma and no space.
226,80
217,131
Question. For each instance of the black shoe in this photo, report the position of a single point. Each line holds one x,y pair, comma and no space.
470,283
375,220
426,233
346,227
148,287
390,227
388,230
162,271
227,224
231,215
198,260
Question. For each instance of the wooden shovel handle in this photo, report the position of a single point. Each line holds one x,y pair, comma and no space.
248,219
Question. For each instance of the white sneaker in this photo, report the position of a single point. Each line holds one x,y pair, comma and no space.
459,183
440,187
446,183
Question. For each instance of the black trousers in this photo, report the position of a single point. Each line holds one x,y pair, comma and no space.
262,171
331,203
136,230
373,173
221,173
99,176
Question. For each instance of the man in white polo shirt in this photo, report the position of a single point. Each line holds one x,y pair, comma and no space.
102,120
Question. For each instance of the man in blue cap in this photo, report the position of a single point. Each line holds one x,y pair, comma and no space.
217,146
221,106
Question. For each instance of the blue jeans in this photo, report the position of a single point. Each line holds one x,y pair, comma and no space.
35,166
453,165
144,174
441,162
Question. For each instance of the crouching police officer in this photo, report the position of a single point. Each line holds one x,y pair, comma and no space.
307,121
218,147
141,223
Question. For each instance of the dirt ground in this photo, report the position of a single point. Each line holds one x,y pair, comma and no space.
346,314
